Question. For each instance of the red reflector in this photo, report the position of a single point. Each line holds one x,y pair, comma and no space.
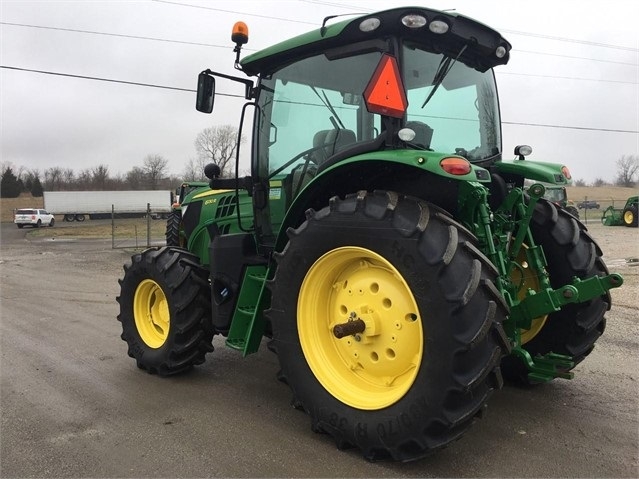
566,172
455,166
385,93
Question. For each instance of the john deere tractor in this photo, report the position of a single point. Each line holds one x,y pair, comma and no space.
382,245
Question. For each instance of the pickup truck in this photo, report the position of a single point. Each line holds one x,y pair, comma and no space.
34,217
588,205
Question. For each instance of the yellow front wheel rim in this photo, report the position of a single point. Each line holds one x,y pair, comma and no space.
377,367
151,313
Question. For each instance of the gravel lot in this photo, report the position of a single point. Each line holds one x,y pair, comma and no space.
74,405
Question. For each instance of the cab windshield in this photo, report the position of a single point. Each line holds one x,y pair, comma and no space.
314,108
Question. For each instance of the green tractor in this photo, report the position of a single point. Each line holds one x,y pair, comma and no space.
174,227
627,216
559,196
392,258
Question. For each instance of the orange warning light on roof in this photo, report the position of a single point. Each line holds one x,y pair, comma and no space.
240,33
385,93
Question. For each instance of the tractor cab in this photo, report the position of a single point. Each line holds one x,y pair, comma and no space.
408,87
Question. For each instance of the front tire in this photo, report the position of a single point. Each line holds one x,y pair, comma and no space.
173,226
428,359
165,310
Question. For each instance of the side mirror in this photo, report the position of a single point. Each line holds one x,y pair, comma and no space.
205,92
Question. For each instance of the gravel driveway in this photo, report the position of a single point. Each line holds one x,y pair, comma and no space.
74,405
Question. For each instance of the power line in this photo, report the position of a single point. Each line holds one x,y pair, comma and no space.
501,72
517,50
136,37
269,17
542,125
83,77
111,80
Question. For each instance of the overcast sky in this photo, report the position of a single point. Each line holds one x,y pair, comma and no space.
573,68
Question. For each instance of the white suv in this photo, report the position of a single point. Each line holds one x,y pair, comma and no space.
33,217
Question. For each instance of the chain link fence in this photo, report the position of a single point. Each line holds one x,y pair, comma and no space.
129,230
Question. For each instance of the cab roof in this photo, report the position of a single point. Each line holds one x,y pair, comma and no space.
481,41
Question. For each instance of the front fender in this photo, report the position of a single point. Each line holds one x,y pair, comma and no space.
553,173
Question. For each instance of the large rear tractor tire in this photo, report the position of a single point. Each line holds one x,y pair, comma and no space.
570,252
573,211
630,216
165,310
420,320
173,223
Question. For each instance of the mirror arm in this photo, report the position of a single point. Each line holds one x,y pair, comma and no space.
249,91
245,183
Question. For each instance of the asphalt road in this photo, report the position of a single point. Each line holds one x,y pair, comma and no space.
73,404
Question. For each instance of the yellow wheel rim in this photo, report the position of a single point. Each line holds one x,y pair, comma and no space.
372,369
151,313
527,279
628,217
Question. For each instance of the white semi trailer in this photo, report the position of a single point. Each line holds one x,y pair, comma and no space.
77,205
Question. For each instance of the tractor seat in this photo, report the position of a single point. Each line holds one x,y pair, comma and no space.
329,142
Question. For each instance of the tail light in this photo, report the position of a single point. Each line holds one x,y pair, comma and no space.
455,166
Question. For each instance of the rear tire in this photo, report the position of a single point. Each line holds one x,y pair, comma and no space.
570,251
80,217
630,216
38,224
20,225
69,218
424,367
165,310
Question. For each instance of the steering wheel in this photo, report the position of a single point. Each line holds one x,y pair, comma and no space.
305,153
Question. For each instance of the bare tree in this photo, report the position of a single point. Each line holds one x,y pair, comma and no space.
155,169
627,169
99,176
68,176
218,144
83,180
193,170
599,182
53,178
136,178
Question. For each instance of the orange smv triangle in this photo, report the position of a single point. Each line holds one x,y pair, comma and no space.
385,93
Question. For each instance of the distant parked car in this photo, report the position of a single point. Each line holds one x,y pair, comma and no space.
588,205
33,217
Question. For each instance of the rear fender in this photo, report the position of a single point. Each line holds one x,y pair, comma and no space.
409,172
